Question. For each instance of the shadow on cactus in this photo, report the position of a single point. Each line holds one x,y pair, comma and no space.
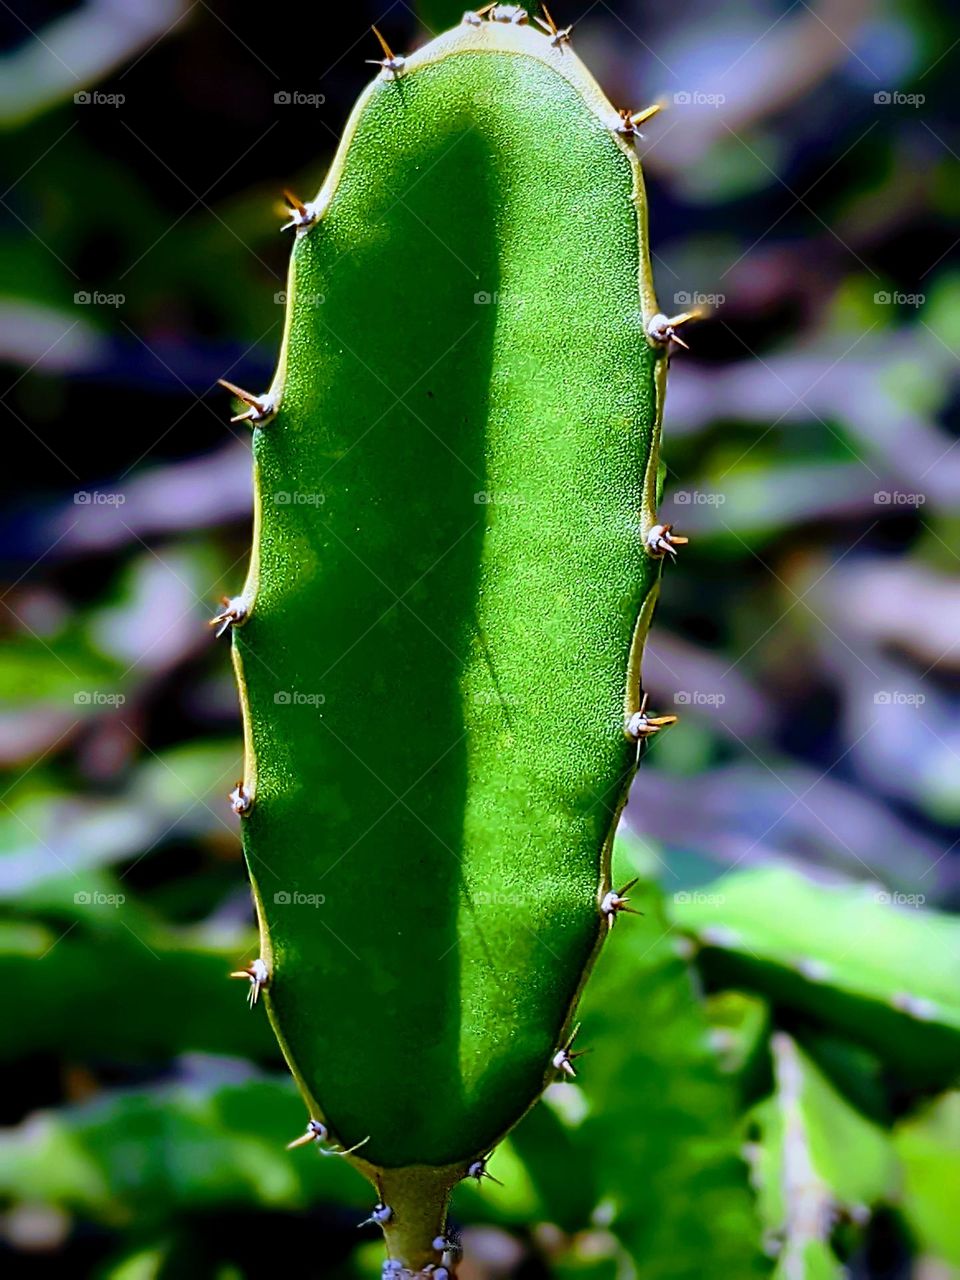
438,645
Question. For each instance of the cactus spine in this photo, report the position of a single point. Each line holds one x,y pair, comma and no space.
456,561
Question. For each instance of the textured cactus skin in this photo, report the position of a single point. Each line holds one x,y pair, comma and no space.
454,796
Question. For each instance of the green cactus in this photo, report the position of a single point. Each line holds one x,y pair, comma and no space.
456,560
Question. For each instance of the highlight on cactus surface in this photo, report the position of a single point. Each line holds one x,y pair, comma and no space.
457,558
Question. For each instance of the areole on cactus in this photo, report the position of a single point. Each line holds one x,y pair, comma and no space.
457,556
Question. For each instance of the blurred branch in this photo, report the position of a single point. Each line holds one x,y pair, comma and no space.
749,813
899,602
200,493
78,50
815,386
45,338
782,64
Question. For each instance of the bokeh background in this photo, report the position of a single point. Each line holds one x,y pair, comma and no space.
777,1037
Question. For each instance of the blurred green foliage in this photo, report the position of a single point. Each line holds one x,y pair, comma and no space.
772,1082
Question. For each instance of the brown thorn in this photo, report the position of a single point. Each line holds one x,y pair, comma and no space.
390,61
637,118
663,329
559,38
239,392
387,51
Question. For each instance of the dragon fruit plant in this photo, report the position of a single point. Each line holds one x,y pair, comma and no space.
457,557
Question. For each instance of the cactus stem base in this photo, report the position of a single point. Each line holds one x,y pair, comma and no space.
418,1198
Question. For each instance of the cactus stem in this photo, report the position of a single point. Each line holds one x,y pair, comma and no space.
391,62
414,1166
416,1197
241,800
640,725
302,215
260,409
258,977
558,36
233,613
615,903
663,329
563,1058
661,540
